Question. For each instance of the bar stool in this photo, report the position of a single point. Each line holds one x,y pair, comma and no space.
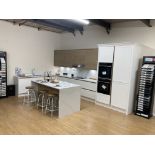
30,95
52,103
42,100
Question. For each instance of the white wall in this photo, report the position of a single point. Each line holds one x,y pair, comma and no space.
27,48
124,32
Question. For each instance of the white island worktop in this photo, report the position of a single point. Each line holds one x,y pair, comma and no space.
69,95
59,86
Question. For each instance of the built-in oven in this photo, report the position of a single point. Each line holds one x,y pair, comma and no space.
105,70
104,86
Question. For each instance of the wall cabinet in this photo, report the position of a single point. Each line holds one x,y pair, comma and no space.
68,58
61,58
106,54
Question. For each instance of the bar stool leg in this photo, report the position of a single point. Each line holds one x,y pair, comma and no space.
52,100
26,97
29,97
47,105
50,105
42,103
38,100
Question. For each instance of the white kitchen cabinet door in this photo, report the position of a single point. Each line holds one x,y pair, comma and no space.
22,83
88,94
83,84
87,85
122,64
120,95
105,54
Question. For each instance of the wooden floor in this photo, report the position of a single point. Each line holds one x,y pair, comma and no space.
16,118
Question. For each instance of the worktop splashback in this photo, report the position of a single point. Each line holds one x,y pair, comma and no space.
76,72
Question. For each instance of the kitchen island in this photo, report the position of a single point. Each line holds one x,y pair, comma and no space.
69,95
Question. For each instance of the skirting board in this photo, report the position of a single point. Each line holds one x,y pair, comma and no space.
87,99
102,104
111,107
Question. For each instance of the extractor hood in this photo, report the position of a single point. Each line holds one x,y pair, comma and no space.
78,65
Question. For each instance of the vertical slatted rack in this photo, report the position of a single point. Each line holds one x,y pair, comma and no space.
145,98
3,74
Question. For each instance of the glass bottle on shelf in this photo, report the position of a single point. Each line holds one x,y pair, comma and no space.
48,76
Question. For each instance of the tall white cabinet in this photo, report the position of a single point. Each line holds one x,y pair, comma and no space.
122,67
105,55
122,64
126,59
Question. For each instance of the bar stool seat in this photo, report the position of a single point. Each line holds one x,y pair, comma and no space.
52,103
51,95
30,95
42,91
29,87
42,100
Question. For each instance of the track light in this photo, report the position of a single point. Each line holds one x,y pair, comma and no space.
83,21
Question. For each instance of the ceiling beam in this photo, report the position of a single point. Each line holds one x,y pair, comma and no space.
60,24
52,24
146,22
67,23
20,22
102,23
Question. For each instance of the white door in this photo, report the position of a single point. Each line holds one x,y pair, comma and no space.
122,64
105,54
120,95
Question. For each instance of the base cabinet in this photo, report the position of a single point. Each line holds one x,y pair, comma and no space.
88,94
88,88
21,83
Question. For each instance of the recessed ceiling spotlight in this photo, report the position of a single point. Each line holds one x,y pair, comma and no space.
83,21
